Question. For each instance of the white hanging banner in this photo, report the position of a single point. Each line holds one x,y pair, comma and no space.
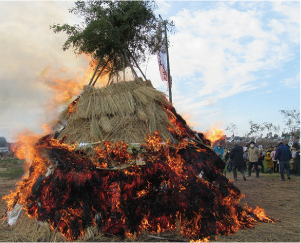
162,56
162,65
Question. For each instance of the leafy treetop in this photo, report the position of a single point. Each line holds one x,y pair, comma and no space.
112,29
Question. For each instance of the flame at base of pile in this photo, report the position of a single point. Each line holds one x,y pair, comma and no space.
79,191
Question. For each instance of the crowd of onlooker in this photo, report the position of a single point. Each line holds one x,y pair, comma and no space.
251,159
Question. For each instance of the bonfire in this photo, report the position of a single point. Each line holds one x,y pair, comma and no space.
121,161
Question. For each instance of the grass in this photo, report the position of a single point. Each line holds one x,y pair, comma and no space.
11,168
12,173
10,161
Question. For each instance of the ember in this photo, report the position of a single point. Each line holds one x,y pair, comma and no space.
171,180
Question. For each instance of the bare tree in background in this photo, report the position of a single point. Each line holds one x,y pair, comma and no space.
232,127
255,129
269,127
276,130
292,121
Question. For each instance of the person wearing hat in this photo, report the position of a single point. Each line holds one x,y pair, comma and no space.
284,155
269,162
236,156
254,155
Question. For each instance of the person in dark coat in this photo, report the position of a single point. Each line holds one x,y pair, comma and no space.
228,161
284,155
270,149
260,161
236,156
246,159
296,166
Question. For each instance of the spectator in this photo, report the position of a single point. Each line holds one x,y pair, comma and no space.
284,155
246,159
260,160
275,161
228,161
253,157
269,162
270,149
296,166
236,156
219,150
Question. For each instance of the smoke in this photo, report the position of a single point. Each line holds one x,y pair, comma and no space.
27,47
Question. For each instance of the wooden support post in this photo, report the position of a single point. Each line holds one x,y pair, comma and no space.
96,70
123,70
108,81
168,68
126,58
101,71
137,66
110,77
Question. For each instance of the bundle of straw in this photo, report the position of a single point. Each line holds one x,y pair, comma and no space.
124,111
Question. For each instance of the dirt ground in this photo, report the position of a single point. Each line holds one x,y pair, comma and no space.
280,199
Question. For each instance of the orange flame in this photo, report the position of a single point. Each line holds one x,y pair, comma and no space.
213,134
24,148
260,213
158,224
201,240
65,83
189,120
47,128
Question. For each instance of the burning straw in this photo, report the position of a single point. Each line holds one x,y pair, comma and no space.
141,169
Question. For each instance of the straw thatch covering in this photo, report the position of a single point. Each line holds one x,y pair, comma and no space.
124,111
28,229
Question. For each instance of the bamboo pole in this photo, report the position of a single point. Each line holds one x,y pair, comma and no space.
137,65
109,81
96,70
110,78
123,70
126,58
101,71
117,74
